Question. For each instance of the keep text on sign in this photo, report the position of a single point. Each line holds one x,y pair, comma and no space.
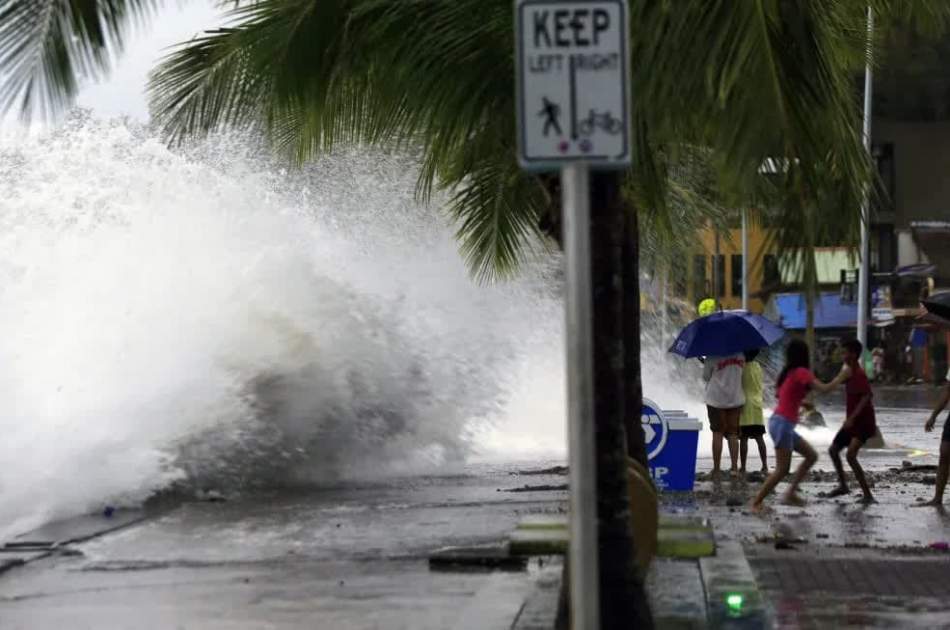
572,83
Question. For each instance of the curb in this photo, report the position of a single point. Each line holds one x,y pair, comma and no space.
55,537
733,599
540,609
11,559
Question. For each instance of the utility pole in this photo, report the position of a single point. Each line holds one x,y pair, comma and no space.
745,260
864,272
717,288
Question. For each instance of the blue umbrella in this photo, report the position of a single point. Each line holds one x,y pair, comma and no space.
725,333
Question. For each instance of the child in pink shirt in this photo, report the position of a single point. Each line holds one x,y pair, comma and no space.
794,383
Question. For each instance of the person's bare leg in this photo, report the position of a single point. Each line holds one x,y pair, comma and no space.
943,471
855,465
783,461
760,441
733,442
717,453
743,453
732,437
803,448
834,451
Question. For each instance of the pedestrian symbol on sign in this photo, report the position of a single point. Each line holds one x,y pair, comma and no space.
551,112
573,83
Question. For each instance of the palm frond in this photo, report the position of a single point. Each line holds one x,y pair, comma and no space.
47,47
745,81
497,210
436,75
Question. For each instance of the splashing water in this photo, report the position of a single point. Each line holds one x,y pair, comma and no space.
199,318
209,320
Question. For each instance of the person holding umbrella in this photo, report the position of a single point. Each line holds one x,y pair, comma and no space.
722,338
724,401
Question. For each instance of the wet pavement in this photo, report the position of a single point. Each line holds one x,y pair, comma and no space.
805,591
353,557
836,563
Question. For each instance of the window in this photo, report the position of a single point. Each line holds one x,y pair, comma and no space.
884,160
699,277
719,272
679,274
736,275
771,277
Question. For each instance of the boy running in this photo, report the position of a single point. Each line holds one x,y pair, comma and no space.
860,423
751,421
943,468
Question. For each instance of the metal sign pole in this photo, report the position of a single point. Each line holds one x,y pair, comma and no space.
585,591
572,74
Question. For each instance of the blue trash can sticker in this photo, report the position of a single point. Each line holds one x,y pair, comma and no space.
671,439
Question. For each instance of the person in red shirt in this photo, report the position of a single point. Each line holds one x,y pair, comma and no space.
793,384
860,424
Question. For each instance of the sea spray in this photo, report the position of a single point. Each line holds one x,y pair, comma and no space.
204,318
175,319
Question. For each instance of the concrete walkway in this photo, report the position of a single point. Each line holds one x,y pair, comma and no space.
348,558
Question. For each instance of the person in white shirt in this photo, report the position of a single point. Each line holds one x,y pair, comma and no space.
943,467
724,401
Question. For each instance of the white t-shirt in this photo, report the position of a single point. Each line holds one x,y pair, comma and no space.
723,376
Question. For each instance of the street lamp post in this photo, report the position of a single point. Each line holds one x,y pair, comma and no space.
865,268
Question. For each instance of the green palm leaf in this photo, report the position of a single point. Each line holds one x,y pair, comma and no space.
748,81
47,47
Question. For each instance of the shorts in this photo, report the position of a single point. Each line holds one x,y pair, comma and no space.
782,431
844,436
751,430
724,420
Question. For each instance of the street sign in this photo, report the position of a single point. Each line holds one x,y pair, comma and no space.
573,84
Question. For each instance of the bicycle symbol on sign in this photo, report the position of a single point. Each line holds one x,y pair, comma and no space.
605,122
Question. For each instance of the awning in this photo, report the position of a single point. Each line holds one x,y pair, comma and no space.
921,270
931,238
788,309
930,226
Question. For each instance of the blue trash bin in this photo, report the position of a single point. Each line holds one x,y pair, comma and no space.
671,439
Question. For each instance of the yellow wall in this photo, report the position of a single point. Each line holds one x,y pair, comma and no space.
730,243
830,261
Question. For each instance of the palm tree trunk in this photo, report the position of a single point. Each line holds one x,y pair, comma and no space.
622,596
633,388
